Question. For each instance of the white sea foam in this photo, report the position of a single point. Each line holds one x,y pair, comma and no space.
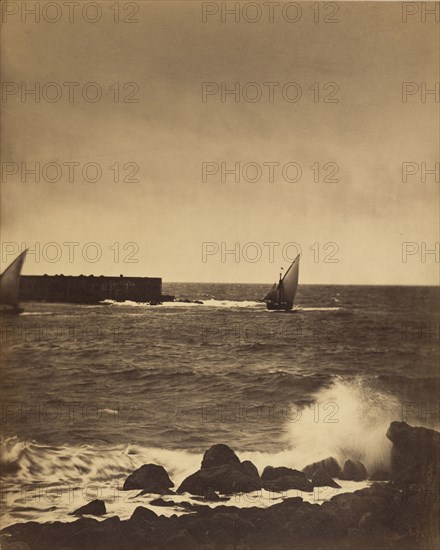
206,303
348,420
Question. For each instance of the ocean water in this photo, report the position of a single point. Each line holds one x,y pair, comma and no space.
89,393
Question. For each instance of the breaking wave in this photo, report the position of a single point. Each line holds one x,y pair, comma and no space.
347,420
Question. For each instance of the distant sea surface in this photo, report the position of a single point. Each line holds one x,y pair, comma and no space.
92,392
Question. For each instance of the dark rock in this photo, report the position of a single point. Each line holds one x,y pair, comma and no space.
218,455
371,523
203,527
380,475
142,515
222,471
354,471
348,508
282,479
180,541
415,459
329,465
93,508
414,455
312,522
111,523
368,518
321,479
85,533
228,526
280,513
161,502
226,479
211,495
250,469
149,477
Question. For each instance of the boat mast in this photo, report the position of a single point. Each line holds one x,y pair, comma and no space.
279,288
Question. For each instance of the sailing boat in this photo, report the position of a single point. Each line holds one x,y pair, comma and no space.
282,294
10,285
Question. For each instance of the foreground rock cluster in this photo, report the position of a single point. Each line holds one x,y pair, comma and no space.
400,513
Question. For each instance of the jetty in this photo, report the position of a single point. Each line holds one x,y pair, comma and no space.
90,289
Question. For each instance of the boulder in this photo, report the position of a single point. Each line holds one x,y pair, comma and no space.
329,465
321,479
226,479
414,455
415,459
93,508
143,515
354,471
221,471
249,468
142,525
149,477
348,508
282,479
218,455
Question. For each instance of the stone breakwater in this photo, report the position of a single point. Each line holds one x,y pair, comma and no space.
399,510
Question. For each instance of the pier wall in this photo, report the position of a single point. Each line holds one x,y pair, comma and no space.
89,289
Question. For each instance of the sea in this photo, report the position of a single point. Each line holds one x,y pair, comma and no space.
90,393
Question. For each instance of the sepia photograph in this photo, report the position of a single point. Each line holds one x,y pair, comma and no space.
219,280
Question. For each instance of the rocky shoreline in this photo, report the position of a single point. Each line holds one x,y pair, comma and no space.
399,510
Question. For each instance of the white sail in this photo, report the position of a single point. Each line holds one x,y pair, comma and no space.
289,283
10,282
272,295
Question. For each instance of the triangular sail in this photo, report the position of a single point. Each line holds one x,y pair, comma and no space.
10,282
290,282
272,295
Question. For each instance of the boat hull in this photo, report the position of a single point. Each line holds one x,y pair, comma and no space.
276,306
8,310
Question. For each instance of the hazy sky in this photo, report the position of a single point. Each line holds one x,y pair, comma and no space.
368,212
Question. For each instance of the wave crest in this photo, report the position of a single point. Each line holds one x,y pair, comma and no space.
347,420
